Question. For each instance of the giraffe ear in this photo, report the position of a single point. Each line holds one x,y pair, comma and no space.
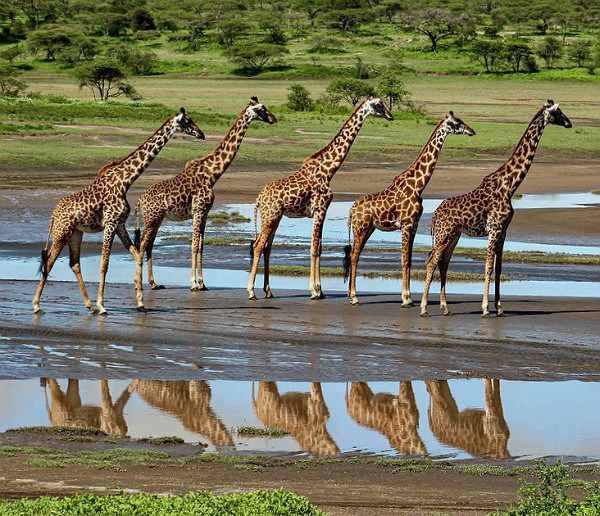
549,103
182,110
254,100
451,113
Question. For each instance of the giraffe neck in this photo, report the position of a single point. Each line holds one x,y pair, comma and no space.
423,167
513,172
131,167
218,161
334,153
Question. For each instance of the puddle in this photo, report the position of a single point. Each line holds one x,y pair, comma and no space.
122,270
459,418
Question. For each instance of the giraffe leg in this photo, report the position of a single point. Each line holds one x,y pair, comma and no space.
196,281
489,267
74,262
430,266
124,238
498,273
360,239
109,236
58,243
146,240
315,255
266,257
444,263
408,237
149,247
267,233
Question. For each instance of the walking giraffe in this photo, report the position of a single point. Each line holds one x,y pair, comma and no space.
398,207
307,193
103,206
190,195
487,210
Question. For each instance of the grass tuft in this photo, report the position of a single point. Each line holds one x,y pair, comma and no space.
253,431
227,217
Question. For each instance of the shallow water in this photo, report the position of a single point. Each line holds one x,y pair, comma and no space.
295,231
459,418
122,270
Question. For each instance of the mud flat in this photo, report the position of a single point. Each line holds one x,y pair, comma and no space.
220,334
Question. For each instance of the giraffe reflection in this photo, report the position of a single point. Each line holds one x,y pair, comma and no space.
396,417
303,415
189,401
481,433
67,409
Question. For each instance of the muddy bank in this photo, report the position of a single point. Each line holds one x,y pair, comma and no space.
220,334
339,486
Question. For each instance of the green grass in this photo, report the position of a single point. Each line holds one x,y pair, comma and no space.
253,431
58,430
596,191
162,441
257,503
416,274
227,217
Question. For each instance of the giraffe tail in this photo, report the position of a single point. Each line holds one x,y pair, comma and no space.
43,269
251,250
137,239
347,251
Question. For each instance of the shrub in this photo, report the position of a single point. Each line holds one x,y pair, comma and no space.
321,44
10,84
580,52
550,49
298,98
142,20
134,59
350,90
392,90
487,50
516,51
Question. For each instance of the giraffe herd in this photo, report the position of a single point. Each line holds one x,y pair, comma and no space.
103,205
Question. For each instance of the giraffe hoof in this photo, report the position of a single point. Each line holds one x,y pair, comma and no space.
409,304
141,309
500,313
354,301
157,287
252,296
92,310
448,313
38,311
486,315
269,295
424,313
203,288
194,289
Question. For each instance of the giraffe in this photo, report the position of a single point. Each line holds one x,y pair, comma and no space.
481,433
66,408
303,415
398,207
189,401
396,417
103,206
486,210
190,195
306,193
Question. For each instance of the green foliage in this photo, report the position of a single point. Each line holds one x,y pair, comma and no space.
10,83
550,49
350,90
391,88
487,50
437,24
106,78
11,52
323,44
517,52
298,98
580,51
253,56
257,503
135,60
550,496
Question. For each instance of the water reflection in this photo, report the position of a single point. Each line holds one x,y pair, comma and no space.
482,433
189,401
67,409
396,417
463,418
303,414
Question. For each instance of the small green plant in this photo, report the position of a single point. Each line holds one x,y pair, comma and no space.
550,496
252,431
225,217
298,98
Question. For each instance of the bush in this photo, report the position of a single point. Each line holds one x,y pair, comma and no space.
391,89
321,44
135,60
142,20
580,52
350,90
298,98
550,49
487,50
10,84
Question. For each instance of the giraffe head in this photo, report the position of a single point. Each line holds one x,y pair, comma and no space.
376,107
454,125
184,124
554,115
258,111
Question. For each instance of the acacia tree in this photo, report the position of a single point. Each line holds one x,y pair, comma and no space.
392,90
10,84
435,23
350,90
580,51
517,51
106,78
488,51
254,56
549,50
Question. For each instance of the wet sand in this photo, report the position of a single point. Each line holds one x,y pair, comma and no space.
220,334
345,487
